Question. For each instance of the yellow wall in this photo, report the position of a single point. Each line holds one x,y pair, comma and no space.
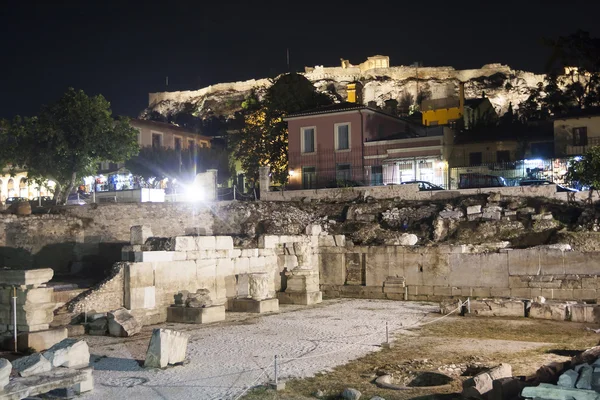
441,116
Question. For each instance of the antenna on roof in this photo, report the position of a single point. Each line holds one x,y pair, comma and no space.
167,82
288,59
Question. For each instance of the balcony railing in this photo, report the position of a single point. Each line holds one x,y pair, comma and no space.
573,150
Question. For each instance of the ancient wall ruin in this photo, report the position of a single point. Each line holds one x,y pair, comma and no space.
436,273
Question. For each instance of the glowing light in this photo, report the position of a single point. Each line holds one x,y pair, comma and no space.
194,193
292,172
578,158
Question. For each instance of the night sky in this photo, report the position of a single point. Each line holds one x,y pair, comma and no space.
125,49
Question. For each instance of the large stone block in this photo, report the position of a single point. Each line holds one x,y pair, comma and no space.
585,313
29,277
122,324
31,365
186,243
5,370
138,234
554,311
140,297
178,275
258,264
332,268
255,306
153,256
27,296
478,270
40,340
498,308
302,283
582,263
188,315
524,262
225,266
223,243
301,298
206,242
241,265
166,347
268,241
70,353
139,274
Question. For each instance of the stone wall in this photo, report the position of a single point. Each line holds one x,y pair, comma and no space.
435,273
411,192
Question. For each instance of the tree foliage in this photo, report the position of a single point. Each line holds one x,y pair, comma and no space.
586,171
263,140
573,80
67,140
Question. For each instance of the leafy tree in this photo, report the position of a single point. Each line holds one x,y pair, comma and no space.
68,139
263,139
586,171
573,80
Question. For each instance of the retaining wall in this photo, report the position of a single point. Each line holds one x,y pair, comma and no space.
436,273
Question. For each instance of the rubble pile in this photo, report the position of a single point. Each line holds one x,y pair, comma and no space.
64,365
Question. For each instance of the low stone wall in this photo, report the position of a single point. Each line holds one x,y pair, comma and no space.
436,273
411,192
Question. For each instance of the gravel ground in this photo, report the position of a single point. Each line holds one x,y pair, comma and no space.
227,358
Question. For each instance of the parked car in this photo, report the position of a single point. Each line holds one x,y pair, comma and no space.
46,201
423,185
13,200
75,200
543,182
474,181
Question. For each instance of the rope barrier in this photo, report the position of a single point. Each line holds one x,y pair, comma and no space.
264,370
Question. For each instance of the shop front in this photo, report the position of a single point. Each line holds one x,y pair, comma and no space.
429,169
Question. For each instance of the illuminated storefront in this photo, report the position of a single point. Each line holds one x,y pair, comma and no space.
399,170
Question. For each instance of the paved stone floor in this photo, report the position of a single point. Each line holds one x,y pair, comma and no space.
227,358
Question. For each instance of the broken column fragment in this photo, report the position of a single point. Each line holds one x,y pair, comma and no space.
166,347
121,323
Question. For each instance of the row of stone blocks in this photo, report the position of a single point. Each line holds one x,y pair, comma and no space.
558,311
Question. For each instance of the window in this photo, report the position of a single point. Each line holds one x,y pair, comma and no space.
343,172
191,144
380,131
580,136
307,136
475,159
156,140
342,136
177,143
453,123
204,145
503,156
376,175
309,178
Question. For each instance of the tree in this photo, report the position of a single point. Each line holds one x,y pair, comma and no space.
573,79
154,165
262,140
586,171
68,139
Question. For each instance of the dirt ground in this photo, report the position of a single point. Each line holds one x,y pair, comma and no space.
457,346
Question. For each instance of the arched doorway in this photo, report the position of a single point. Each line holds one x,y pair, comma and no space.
10,189
23,188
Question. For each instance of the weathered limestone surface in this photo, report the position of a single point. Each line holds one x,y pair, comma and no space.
166,347
5,369
41,340
22,387
71,353
255,306
122,324
139,234
553,392
190,315
482,383
32,365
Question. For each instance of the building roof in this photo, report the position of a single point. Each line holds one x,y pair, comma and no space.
339,107
573,114
166,125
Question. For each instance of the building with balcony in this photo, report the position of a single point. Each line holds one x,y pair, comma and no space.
574,135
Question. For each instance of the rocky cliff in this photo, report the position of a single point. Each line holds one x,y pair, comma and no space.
500,83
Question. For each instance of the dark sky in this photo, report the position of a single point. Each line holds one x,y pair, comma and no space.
125,49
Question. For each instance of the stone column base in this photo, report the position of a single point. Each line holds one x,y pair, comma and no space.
38,341
302,298
190,315
255,306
